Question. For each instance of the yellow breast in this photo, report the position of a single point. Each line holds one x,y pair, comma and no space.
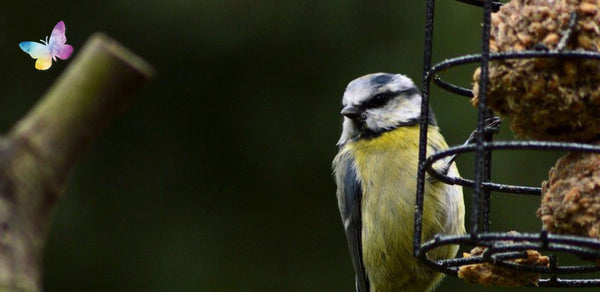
387,168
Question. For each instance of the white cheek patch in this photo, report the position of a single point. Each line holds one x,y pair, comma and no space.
397,112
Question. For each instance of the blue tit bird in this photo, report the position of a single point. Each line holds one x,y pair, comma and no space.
376,175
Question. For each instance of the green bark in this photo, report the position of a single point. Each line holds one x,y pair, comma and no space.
38,153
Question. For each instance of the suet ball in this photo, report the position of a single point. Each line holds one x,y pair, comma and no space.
488,274
545,98
571,196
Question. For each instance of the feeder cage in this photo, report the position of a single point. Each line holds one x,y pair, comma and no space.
509,252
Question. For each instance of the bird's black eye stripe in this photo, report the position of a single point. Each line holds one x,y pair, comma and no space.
379,99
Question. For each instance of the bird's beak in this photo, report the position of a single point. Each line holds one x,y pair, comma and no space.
350,111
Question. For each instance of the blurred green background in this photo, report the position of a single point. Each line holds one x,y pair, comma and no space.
218,178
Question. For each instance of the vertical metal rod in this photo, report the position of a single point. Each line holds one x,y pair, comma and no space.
553,264
428,47
480,157
486,202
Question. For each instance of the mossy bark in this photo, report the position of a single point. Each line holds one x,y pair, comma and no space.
38,153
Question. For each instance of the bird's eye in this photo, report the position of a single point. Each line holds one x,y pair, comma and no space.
379,100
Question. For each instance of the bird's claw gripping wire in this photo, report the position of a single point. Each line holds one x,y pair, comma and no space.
491,128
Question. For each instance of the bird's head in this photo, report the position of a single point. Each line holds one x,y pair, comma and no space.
377,103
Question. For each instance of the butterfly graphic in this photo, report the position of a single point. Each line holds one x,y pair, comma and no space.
50,49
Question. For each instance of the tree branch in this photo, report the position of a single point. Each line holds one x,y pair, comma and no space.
38,153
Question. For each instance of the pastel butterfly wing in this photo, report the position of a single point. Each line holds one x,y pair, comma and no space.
43,63
58,40
35,50
58,35
64,52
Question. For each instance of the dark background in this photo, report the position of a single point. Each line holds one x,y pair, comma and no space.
218,178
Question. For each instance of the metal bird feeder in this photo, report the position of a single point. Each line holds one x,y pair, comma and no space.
501,246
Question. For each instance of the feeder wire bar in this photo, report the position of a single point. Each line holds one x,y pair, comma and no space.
424,123
480,156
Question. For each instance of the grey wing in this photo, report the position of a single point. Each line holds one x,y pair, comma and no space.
350,197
